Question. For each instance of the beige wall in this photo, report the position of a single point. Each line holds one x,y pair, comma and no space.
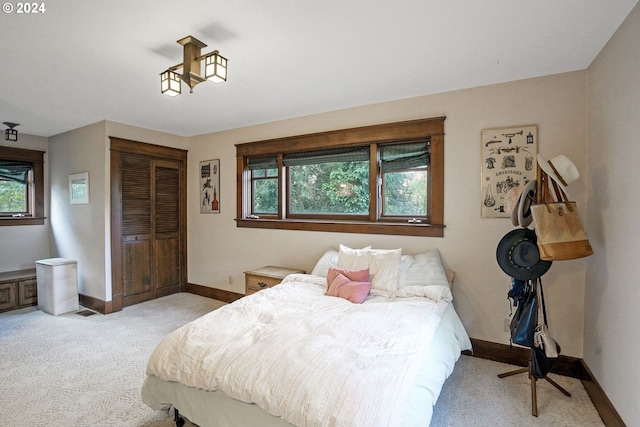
612,338
82,232
23,245
76,230
219,252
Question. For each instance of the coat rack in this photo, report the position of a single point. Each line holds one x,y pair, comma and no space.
534,400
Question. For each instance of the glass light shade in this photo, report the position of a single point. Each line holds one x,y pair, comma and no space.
170,83
215,68
11,135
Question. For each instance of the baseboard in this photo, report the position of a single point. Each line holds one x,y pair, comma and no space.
219,294
95,304
605,408
566,365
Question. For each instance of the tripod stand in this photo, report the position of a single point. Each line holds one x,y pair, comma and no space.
534,399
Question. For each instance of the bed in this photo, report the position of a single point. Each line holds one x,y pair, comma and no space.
336,347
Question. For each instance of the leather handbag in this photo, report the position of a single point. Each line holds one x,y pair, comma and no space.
559,231
545,350
541,336
524,320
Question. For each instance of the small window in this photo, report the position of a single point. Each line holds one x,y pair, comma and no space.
264,185
15,179
21,187
405,177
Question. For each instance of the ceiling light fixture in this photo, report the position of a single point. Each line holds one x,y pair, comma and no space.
215,68
10,134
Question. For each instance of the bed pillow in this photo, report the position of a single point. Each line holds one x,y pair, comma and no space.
355,275
383,265
384,269
353,291
353,259
328,260
424,269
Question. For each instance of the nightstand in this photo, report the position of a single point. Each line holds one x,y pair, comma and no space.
266,277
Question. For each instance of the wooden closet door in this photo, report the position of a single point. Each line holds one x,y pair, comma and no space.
166,233
137,229
148,222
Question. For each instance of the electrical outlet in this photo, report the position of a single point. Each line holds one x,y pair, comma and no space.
507,324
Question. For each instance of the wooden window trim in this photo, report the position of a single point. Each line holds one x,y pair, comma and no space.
37,158
414,130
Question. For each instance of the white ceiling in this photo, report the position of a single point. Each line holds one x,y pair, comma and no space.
84,61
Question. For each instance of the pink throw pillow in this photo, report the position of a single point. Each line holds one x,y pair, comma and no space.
355,275
343,287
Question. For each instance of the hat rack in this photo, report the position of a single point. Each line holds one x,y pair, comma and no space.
541,181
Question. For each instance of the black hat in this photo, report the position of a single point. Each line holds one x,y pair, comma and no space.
519,257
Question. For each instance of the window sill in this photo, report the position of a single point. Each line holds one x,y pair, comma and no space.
24,220
399,229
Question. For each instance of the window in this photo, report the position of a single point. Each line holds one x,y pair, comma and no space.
333,183
404,170
264,185
21,187
383,179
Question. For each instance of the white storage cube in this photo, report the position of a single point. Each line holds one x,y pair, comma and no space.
57,285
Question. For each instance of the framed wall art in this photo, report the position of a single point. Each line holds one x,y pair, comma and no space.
508,160
210,186
79,188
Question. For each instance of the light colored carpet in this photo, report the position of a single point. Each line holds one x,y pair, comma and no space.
475,396
71,370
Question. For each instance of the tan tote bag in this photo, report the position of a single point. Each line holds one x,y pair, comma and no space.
558,227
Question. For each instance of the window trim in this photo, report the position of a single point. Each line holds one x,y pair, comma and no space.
407,131
37,212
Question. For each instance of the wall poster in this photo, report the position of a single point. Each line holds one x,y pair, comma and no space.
508,160
210,186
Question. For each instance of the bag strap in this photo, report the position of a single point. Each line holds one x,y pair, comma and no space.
561,195
542,310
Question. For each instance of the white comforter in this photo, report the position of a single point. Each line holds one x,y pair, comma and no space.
311,359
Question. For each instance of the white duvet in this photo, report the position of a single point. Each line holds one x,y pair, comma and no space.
311,359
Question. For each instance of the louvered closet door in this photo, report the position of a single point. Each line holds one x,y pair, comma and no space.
151,264
137,230
166,243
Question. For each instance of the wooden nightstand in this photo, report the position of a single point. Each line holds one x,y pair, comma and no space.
266,277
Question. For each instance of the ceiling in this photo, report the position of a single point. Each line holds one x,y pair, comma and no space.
83,61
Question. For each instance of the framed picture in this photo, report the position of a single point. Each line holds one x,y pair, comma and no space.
79,188
210,186
508,160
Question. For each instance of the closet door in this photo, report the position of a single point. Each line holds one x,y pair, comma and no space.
137,229
148,228
166,233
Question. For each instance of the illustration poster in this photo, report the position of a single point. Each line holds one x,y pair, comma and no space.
508,160
210,186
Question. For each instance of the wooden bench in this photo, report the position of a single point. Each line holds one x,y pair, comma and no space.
18,289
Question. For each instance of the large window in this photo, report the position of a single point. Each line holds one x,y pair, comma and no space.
384,179
21,187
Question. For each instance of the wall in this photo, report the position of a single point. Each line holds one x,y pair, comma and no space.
219,252
21,246
612,340
82,232
76,229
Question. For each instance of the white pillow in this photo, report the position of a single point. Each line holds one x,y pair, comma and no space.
383,265
328,260
384,269
353,259
426,269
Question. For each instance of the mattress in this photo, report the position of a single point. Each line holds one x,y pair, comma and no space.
216,409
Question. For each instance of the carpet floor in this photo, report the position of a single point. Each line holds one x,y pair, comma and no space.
78,370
